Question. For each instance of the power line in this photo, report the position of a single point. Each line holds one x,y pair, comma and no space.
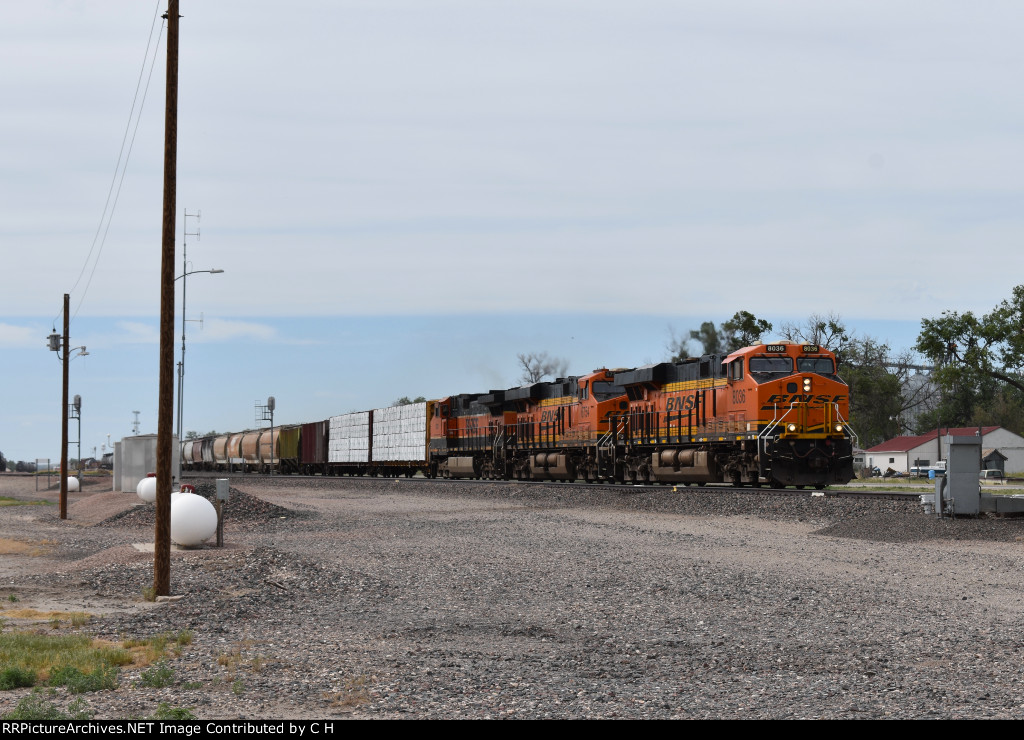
114,191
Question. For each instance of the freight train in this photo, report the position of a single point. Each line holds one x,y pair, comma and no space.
774,414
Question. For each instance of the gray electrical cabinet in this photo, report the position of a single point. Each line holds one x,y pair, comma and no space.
963,466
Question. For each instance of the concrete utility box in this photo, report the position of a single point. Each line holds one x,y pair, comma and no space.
963,492
117,467
138,459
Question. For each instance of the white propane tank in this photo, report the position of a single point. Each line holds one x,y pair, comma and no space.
72,484
193,519
147,489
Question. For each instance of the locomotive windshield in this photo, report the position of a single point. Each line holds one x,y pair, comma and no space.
820,365
603,390
771,364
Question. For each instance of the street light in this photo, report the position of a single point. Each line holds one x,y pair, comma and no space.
185,272
75,412
56,343
181,365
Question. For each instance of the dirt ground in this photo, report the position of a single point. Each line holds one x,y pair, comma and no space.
93,504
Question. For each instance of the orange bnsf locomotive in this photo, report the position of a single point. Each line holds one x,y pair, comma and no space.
769,414
772,413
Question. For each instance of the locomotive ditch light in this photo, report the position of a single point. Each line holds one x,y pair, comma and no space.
839,428
792,427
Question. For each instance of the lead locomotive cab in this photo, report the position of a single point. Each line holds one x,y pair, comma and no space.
800,406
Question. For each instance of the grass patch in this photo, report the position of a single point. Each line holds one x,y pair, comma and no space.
151,649
353,693
51,617
36,707
8,501
166,711
44,656
78,682
19,547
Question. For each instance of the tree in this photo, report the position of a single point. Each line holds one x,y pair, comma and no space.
970,349
536,366
3,463
980,365
885,399
742,330
825,331
405,401
195,435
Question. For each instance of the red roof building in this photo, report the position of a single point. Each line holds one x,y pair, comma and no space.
926,450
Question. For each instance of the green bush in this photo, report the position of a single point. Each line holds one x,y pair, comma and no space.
78,682
158,676
16,677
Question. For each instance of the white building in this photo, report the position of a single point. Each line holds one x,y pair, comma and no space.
924,450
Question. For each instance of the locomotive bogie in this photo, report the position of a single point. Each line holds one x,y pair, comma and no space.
682,465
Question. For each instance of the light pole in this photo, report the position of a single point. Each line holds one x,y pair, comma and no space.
185,272
75,412
57,343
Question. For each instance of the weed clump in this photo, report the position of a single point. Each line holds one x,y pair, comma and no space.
158,677
35,707
167,712
78,682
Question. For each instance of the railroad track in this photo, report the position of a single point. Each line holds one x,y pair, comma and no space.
625,488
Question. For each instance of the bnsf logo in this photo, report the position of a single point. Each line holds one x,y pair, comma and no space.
681,403
549,415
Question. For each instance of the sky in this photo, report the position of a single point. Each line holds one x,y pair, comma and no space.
404,195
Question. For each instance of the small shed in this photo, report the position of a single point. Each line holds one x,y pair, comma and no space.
993,459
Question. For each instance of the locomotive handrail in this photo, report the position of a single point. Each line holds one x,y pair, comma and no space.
846,425
608,440
762,437
764,434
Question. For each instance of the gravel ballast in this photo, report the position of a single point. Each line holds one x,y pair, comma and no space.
371,598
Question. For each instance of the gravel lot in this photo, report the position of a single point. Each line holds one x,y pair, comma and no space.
425,599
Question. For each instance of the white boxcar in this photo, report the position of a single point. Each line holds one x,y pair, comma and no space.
400,433
349,438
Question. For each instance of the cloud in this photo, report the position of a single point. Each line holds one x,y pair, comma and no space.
219,330
21,336
136,332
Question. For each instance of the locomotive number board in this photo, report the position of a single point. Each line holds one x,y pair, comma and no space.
807,348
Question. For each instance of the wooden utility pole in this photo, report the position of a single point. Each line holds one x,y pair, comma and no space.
64,413
165,420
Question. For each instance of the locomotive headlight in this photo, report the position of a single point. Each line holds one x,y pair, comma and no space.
807,385
792,427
